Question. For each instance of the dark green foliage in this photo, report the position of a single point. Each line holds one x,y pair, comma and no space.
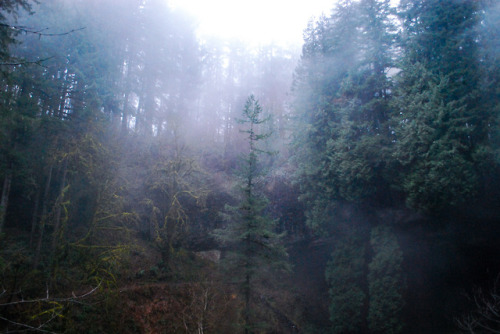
441,123
432,124
343,137
441,36
433,143
385,282
386,118
365,281
345,276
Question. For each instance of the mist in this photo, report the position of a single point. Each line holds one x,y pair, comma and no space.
160,179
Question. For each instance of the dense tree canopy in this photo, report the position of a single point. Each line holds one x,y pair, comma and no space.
391,119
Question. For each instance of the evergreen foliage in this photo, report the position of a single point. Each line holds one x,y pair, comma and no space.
345,276
357,124
256,248
387,117
343,137
440,112
385,282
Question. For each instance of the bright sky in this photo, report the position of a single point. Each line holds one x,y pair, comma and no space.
254,21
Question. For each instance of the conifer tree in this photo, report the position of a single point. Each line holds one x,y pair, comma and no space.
440,126
255,247
328,54
343,136
9,11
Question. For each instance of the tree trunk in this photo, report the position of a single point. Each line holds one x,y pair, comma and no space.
247,303
124,125
43,219
34,218
4,201
57,218
62,102
227,135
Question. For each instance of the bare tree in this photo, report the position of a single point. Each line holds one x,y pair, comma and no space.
46,308
485,318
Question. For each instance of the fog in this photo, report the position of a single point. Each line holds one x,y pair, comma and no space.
256,22
249,167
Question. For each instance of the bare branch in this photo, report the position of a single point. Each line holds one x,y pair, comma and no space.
73,299
34,62
486,315
39,33
55,311
28,327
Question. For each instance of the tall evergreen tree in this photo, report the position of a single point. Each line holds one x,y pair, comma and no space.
256,248
439,124
327,55
343,137
346,143
11,124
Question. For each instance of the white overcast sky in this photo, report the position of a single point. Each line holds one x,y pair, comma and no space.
254,21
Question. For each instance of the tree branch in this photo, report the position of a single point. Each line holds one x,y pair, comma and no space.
48,299
39,33
55,311
35,62
28,327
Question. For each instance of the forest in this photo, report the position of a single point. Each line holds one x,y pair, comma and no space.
156,182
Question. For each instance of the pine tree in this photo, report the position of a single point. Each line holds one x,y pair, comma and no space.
256,248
